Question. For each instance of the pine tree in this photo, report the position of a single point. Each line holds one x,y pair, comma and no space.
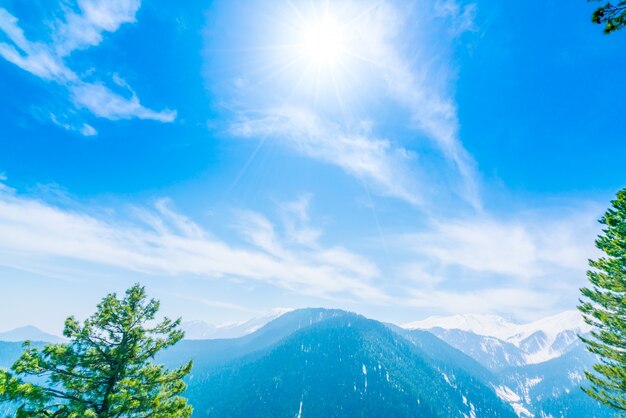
604,308
612,15
105,370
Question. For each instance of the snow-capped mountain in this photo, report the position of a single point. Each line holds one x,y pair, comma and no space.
199,330
551,388
493,353
486,325
502,343
538,367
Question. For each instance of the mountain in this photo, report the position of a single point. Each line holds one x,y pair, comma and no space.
325,362
199,330
537,367
343,365
29,333
498,343
486,325
491,352
9,352
208,354
552,388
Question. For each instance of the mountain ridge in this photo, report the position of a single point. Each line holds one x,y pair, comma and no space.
30,333
535,342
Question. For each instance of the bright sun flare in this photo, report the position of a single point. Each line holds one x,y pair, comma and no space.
322,43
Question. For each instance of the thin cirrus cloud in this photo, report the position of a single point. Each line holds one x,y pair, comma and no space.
160,241
523,249
420,80
404,71
376,161
524,268
85,29
462,17
521,302
78,31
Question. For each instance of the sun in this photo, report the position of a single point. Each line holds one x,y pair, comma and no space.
322,42
313,52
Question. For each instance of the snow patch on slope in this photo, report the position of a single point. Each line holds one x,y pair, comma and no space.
506,394
486,325
540,340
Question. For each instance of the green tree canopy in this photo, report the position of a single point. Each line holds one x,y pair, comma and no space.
105,370
604,307
612,15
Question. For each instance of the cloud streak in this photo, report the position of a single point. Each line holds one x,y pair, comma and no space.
78,31
401,53
521,248
525,267
419,81
162,242
375,161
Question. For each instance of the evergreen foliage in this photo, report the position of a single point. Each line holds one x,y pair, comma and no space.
343,366
612,15
604,308
106,368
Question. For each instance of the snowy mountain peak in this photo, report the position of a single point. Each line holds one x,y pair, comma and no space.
537,341
551,326
486,325
199,330
498,327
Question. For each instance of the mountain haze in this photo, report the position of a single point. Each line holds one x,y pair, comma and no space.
345,365
29,333
333,363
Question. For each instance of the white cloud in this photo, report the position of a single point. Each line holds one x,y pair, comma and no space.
395,60
163,242
88,130
295,217
421,82
103,102
461,17
529,247
84,129
80,30
34,57
526,266
85,29
520,302
375,161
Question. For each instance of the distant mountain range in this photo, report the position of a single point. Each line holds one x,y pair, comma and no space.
30,333
333,363
199,330
498,343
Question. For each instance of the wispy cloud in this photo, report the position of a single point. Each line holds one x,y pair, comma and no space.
520,302
160,241
102,102
524,266
421,80
375,161
295,218
525,248
84,128
461,16
403,55
84,29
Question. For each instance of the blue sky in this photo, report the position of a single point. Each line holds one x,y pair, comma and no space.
399,159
